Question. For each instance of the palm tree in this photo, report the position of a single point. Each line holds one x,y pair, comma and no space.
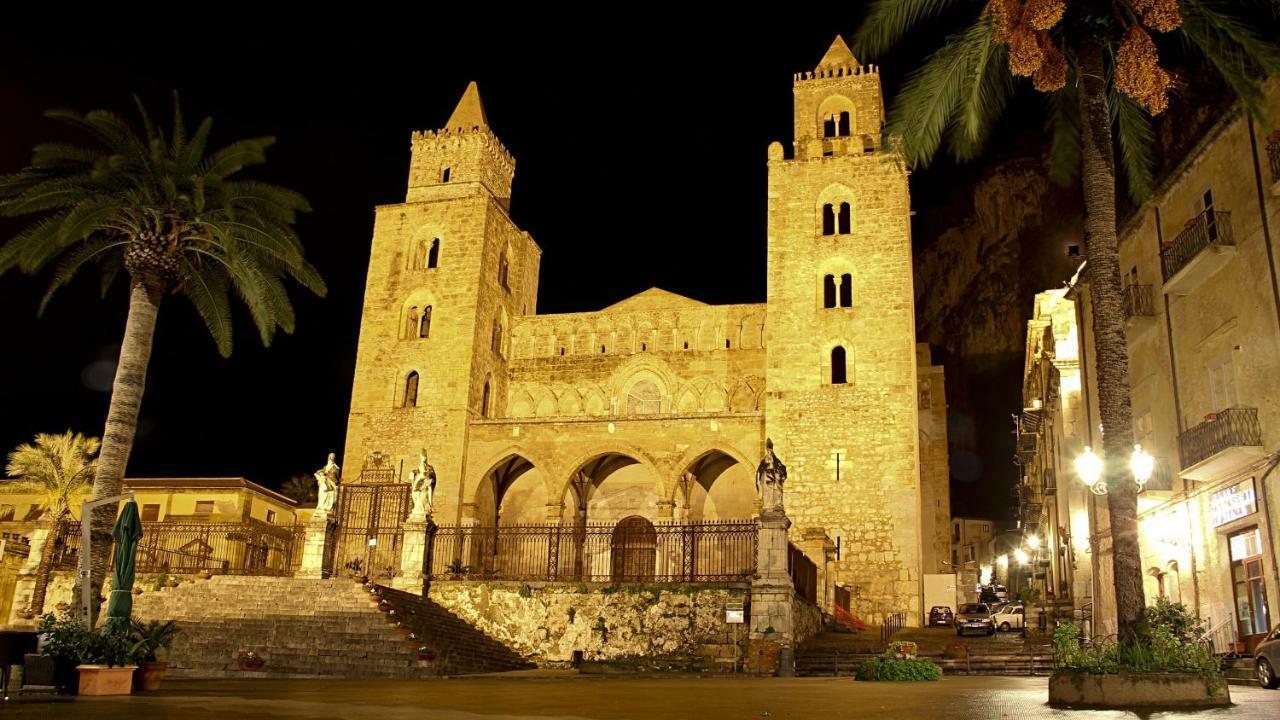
301,488
177,219
1098,66
56,467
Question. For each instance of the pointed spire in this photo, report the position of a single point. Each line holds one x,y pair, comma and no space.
838,55
469,113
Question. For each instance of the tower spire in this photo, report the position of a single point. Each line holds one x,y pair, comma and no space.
469,113
838,56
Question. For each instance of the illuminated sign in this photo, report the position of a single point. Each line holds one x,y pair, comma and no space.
1233,503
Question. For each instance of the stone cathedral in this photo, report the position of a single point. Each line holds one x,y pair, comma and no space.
655,410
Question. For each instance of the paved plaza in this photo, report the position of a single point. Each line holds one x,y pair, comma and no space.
542,696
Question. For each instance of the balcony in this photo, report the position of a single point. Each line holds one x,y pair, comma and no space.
1139,310
1199,251
1225,441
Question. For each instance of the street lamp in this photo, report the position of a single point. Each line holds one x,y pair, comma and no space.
1089,467
1021,556
1033,542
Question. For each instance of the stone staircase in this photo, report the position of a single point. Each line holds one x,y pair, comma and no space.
1240,670
839,654
307,628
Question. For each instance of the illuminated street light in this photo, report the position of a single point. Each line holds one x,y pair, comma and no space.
985,576
1142,464
1003,561
1089,468
1033,542
1022,556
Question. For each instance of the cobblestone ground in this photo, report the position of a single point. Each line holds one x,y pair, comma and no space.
964,698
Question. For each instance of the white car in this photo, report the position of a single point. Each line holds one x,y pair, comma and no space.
1010,617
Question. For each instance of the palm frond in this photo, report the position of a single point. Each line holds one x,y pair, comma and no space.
1238,53
983,96
888,21
1135,137
1062,124
71,262
207,290
236,156
928,100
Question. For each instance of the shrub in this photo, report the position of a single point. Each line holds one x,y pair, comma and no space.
1175,618
71,642
1162,651
887,668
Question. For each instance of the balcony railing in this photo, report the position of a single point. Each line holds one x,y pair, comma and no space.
708,551
1138,302
1210,228
1230,428
803,572
236,548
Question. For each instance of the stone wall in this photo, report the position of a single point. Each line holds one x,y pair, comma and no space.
548,622
806,620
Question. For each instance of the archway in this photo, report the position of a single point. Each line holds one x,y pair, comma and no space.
633,550
715,486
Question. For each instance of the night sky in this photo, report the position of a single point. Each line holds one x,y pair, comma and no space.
640,162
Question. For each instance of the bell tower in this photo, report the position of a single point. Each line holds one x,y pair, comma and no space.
842,405
448,271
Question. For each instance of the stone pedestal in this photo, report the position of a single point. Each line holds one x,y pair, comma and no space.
412,553
313,546
772,641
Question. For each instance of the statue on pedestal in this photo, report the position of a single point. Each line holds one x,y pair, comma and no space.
422,487
327,485
770,475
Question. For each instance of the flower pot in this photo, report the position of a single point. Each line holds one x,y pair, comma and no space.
103,680
171,583
149,675
137,591
250,662
204,574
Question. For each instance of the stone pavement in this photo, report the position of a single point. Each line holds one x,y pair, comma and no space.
546,695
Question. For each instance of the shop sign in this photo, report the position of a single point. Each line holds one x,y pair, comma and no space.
1233,503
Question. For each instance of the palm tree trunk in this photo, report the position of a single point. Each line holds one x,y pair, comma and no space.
1112,353
36,606
122,423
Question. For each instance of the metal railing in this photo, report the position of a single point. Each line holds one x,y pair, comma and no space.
892,624
1221,638
1209,228
1233,427
240,548
803,572
632,550
1139,301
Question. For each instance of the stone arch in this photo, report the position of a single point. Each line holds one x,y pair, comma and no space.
752,332
714,398
849,360
605,459
688,401
520,404
746,394
640,368
841,269
411,311
584,340
829,110
524,341
593,401
715,482
834,195
544,401
568,402
513,479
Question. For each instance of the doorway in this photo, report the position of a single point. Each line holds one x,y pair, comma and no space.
1253,616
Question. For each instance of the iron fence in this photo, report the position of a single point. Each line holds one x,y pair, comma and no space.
1139,301
632,550
1233,427
227,548
1209,228
803,572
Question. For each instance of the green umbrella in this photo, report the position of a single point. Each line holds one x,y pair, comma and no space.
127,533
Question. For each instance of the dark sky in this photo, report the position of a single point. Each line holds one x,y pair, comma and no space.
640,161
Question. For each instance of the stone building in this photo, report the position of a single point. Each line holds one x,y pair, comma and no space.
655,410
1202,300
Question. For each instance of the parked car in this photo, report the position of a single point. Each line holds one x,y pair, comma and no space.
975,617
1009,617
941,615
1002,592
1266,658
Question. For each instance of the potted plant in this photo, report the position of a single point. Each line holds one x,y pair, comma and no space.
65,642
427,653
152,637
108,664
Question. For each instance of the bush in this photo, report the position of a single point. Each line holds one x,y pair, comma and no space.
71,642
885,668
1162,651
1175,618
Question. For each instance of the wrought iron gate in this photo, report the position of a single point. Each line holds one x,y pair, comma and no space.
370,529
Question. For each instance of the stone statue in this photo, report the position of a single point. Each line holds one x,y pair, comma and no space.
770,476
422,487
327,485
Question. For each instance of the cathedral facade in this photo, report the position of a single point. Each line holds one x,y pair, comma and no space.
656,409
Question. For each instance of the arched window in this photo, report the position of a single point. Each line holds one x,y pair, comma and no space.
433,257
829,126
410,321
843,129
633,550
846,220
503,270
424,325
837,366
444,176
829,291
497,336
484,400
846,290
828,220
644,399
410,391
